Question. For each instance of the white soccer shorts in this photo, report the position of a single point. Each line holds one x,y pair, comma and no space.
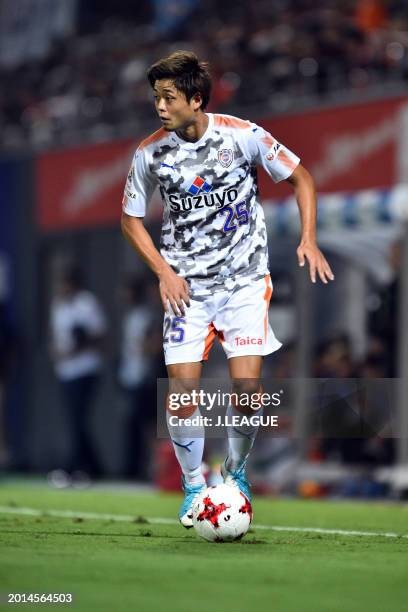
239,319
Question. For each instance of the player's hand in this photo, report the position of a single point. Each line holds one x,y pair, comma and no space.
174,291
317,261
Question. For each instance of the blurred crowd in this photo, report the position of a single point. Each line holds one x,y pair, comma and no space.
265,54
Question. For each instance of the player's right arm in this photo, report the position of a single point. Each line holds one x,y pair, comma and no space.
173,288
138,190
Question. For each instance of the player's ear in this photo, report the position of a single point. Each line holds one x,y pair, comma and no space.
196,101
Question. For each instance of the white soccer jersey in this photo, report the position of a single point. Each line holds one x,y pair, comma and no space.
213,232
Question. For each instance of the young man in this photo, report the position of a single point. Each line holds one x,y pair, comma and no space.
213,264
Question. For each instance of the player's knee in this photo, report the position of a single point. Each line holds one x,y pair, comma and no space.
182,400
181,412
246,385
246,395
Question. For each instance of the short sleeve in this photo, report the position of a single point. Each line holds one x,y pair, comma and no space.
139,186
278,161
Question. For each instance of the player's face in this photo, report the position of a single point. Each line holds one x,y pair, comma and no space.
172,107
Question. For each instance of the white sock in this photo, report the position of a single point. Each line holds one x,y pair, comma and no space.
188,444
240,440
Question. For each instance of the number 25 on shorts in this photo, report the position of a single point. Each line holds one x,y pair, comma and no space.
177,331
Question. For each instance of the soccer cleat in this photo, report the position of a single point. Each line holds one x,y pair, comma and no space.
237,479
190,494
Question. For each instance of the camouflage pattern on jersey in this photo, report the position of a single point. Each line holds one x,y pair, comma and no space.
213,231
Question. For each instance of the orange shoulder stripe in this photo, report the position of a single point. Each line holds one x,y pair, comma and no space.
269,140
158,135
286,161
223,121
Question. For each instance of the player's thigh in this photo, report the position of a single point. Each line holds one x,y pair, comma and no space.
185,370
185,339
244,323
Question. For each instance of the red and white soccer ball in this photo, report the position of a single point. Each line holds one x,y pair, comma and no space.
222,513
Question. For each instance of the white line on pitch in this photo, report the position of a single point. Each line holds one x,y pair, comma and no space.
128,518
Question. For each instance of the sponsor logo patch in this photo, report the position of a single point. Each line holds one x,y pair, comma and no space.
199,184
203,199
248,341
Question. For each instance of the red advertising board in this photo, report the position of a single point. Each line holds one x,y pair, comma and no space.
345,148
82,187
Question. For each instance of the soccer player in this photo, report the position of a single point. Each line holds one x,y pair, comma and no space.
212,266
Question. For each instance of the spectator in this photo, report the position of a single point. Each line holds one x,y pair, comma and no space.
382,319
133,374
77,330
334,358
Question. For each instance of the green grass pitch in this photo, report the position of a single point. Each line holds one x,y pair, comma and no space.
117,565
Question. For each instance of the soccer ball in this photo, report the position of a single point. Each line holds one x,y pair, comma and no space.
222,513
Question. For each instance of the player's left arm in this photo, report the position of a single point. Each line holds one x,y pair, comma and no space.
305,192
282,164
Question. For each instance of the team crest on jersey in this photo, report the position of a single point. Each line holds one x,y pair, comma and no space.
225,157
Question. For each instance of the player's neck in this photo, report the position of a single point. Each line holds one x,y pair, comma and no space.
194,131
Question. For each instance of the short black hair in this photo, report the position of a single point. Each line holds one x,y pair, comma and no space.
189,75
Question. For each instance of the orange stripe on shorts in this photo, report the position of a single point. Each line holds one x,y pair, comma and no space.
209,341
267,298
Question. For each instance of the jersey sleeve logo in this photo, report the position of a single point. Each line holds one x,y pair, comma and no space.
225,157
273,151
131,175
